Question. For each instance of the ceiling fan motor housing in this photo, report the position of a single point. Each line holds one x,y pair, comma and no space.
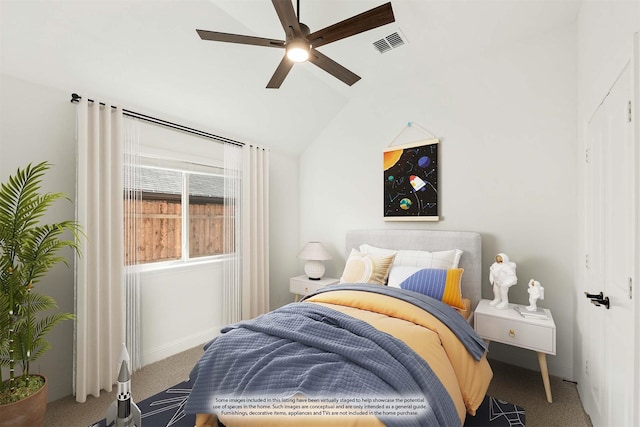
298,49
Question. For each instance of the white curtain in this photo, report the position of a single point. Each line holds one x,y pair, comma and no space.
255,231
99,291
232,228
132,222
246,272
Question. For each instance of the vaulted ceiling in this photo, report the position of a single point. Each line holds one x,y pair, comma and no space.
147,55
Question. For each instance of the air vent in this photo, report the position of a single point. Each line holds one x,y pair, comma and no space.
392,41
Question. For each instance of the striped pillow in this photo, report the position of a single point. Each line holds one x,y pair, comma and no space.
363,268
438,283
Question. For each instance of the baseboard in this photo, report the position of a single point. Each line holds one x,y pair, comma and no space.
178,346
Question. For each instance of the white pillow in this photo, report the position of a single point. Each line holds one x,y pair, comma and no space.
368,249
440,259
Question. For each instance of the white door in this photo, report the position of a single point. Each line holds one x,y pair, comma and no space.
610,201
594,400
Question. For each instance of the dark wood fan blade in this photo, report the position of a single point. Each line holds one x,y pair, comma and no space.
237,38
332,67
281,72
288,18
365,21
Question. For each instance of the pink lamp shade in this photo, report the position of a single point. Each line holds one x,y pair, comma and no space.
314,253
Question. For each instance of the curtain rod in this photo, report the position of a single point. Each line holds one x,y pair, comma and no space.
76,98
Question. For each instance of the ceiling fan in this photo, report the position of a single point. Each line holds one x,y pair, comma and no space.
300,43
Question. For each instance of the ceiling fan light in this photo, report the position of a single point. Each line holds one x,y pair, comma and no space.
298,50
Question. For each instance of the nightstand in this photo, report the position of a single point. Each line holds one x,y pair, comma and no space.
509,327
302,285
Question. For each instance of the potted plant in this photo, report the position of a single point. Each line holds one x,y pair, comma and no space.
28,250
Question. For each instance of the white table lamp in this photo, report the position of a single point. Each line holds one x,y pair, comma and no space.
314,253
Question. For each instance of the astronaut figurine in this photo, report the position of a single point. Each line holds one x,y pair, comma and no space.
536,292
502,275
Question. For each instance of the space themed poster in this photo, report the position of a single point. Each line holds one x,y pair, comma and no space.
411,182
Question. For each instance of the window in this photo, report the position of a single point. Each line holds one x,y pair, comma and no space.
206,215
175,215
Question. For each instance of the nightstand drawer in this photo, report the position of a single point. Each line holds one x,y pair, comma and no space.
302,285
303,288
526,335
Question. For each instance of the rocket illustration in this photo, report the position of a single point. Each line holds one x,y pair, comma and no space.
416,182
123,412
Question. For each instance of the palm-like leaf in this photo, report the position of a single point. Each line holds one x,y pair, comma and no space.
30,331
28,250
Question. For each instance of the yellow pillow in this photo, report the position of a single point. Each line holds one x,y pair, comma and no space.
364,268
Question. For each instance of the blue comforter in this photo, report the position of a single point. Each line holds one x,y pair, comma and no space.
320,353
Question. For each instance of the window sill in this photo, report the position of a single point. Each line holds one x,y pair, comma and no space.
177,264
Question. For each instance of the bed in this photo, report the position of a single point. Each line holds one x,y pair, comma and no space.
385,351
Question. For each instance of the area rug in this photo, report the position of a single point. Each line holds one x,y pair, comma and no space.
493,412
166,409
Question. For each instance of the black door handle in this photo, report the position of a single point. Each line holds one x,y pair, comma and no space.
598,299
599,302
594,296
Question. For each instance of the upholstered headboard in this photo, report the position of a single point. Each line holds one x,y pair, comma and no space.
431,240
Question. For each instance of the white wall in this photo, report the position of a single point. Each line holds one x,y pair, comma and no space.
506,119
284,205
181,308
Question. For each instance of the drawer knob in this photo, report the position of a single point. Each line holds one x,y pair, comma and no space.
512,333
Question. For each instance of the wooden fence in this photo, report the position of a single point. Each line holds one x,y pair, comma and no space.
159,234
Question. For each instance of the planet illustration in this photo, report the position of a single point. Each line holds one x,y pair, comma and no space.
391,158
424,161
391,178
405,204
